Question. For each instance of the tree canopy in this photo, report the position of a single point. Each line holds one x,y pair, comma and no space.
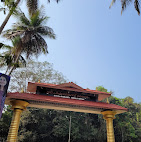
29,35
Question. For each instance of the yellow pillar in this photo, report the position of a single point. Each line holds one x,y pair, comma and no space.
18,106
109,116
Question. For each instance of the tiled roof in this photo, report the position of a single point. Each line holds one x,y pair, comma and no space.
44,98
67,86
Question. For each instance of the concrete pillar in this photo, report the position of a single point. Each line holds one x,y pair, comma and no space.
109,116
18,106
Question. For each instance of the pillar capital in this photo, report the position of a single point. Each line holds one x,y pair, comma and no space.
19,104
108,114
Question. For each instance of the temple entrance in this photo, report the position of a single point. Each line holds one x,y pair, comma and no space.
67,97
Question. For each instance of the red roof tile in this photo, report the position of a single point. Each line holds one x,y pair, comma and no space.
44,98
69,87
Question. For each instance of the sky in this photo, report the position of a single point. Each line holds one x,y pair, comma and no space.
95,45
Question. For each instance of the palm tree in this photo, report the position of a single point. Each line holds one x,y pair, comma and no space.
32,5
12,6
125,3
30,34
8,57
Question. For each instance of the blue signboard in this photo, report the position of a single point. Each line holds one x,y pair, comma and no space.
4,82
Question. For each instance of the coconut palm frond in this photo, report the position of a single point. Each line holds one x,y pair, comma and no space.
21,17
21,62
123,5
7,59
9,33
42,44
47,31
113,1
35,19
2,64
20,27
10,4
12,34
24,20
1,45
137,6
16,12
16,41
3,9
41,21
55,0
32,6
35,46
31,35
4,46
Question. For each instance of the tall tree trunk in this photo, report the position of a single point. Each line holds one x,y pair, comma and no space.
7,70
8,16
13,67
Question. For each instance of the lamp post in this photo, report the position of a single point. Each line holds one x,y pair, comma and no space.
69,129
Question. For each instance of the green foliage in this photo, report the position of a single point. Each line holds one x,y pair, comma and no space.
3,9
9,3
41,125
8,56
127,125
34,72
101,88
32,33
5,123
27,36
53,126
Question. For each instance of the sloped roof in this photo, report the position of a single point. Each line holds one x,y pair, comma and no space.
70,85
67,86
43,101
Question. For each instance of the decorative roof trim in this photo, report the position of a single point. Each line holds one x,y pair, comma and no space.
60,102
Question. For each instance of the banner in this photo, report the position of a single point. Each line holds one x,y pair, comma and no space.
4,82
